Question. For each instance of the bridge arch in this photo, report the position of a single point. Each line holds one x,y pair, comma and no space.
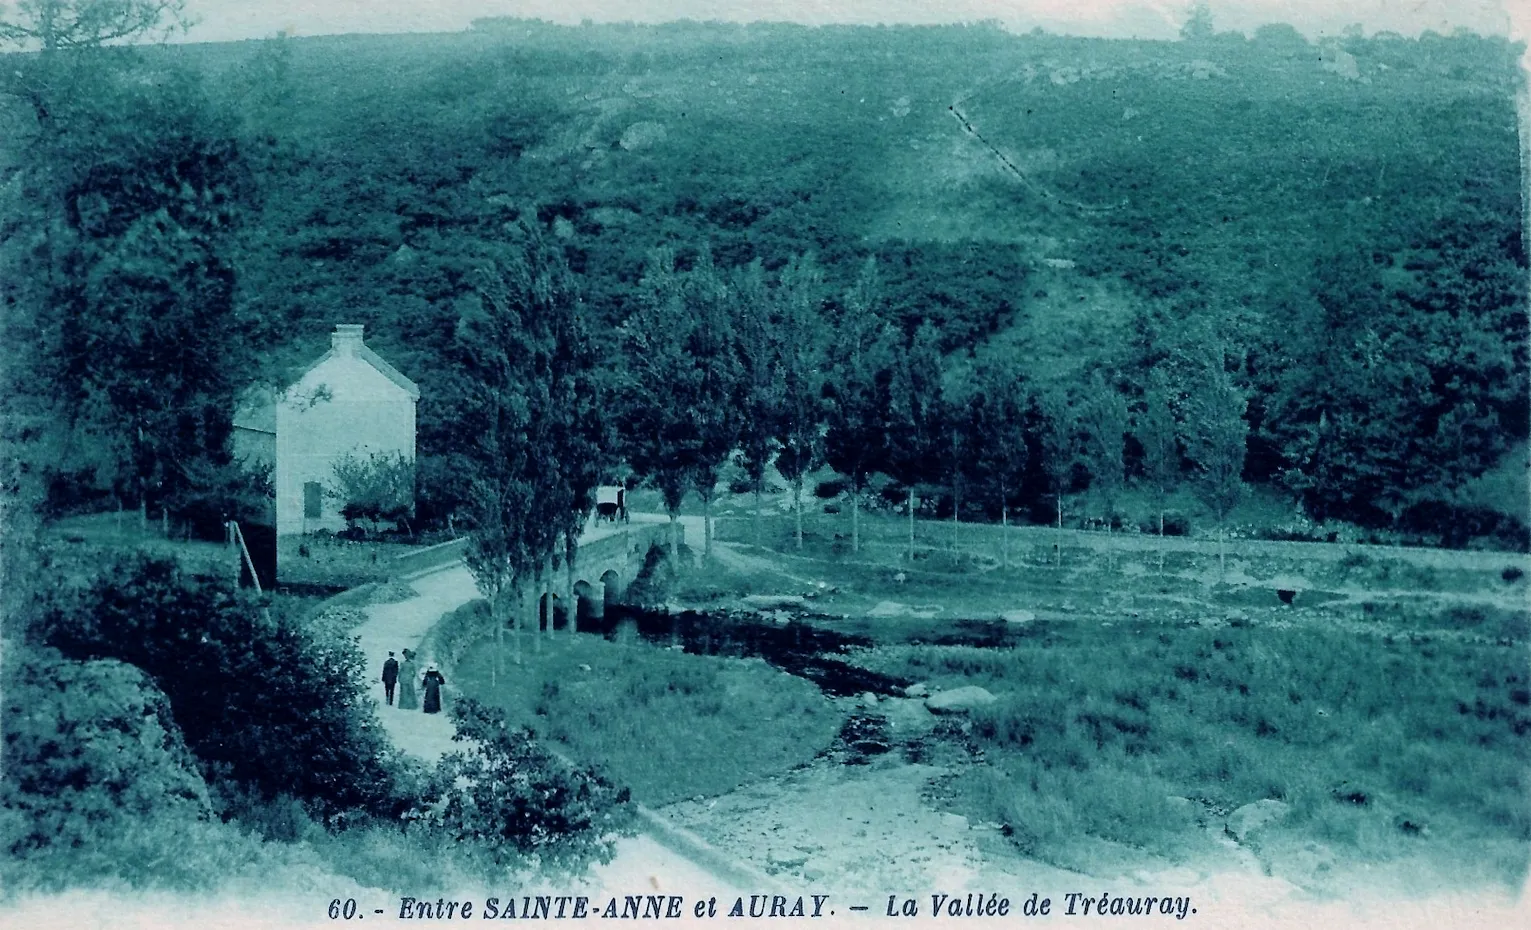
611,583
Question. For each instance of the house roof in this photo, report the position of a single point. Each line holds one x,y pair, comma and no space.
257,410
366,354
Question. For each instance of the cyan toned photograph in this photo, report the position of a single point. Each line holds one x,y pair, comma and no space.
780,463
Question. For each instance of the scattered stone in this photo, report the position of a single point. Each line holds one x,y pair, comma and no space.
642,135
1251,817
959,700
869,699
1018,616
583,667
919,689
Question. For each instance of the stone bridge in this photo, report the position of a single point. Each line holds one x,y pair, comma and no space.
609,560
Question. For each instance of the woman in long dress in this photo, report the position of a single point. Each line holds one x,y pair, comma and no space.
408,698
432,683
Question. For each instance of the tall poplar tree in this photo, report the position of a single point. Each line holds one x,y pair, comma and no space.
999,430
861,360
800,337
914,427
1216,438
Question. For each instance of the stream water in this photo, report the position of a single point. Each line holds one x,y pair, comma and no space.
805,646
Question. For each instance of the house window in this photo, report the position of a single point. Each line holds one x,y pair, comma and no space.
312,495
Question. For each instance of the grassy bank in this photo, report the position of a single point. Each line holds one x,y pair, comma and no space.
665,724
1384,746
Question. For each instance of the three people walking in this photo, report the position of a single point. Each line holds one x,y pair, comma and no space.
400,677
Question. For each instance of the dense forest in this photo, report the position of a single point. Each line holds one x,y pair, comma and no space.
1344,219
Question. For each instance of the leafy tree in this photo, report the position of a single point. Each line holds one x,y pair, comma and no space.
54,25
1060,447
800,345
662,387
861,360
137,186
1159,435
914,406
1104,416
760,388
1198,23
712,348
523,348
999,430
1216,437
378,488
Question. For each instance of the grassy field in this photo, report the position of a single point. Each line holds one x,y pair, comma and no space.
665,724
1388,706
1384,746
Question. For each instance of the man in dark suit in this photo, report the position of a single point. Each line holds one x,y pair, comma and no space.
390,677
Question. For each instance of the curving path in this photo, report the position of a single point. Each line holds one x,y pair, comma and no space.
642,864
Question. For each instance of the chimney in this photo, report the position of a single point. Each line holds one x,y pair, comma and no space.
346,338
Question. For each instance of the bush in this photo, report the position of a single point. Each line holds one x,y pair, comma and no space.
258,698
378,489
1512,574
509,795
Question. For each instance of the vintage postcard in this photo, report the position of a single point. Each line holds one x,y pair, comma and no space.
781,463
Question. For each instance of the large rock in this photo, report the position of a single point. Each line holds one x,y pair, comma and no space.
959,700
1251,817
1018,616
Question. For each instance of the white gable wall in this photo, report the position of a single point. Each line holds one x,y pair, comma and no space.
343,405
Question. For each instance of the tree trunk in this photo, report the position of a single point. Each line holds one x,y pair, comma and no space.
1161,540
956,518
911,526
855,521
1059,543
545,599
758,483
571,606
674,538
797,507
143,514
496,617
1222,558
706,527
1004,535
515,621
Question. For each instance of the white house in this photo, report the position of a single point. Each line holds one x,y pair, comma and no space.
349,402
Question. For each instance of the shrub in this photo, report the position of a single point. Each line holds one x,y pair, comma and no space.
379,489
1512,574
509,795
258,697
